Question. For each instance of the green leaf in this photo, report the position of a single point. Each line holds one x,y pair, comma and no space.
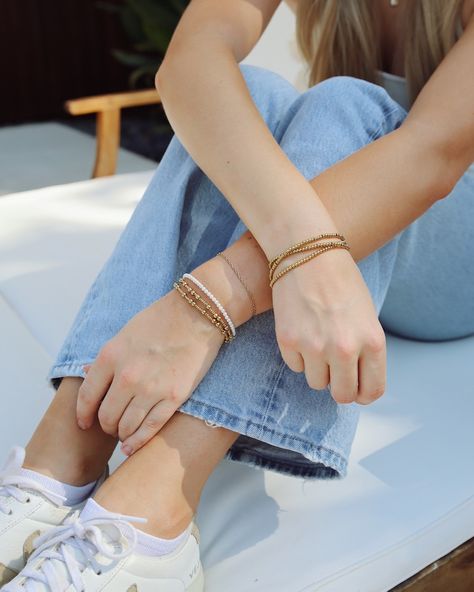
158,36
144,71
132,24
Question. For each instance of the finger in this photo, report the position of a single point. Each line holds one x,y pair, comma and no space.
114,404
344,376
93,389
86,367
372,376
316,370
293,359
151,425
133,417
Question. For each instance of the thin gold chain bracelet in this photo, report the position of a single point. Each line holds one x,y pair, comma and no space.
241,280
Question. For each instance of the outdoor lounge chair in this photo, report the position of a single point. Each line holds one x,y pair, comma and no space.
408,500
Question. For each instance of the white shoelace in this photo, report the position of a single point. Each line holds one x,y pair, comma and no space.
74,545
13,485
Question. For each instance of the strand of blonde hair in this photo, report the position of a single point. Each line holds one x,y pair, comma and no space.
342,38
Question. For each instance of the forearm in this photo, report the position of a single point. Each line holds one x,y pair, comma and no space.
215,118
381,189
369,201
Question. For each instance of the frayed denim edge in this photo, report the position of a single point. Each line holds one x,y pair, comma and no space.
328,464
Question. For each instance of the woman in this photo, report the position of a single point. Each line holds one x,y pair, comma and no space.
255,167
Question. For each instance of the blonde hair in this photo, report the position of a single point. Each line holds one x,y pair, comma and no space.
342,38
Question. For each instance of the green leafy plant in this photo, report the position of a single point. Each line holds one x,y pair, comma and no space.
149,24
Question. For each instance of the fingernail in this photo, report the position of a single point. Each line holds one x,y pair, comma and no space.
81,424
126,449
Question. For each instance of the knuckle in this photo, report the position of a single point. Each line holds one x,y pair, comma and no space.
345,350
376,343
151,423
128,377
288,339
174,395
124,430
316,348
105,420
107,353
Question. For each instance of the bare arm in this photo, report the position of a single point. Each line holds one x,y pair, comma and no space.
236,152
326,324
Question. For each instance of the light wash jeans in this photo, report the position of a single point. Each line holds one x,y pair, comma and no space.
421,281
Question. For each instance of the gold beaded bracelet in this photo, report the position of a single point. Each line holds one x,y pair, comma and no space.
208,312
220,323
304,246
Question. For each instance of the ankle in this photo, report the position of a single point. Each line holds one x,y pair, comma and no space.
76,472
167,526
165,518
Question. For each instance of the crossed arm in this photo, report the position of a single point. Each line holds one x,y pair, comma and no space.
326,327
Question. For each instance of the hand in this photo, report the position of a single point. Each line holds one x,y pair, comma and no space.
143,374
327,326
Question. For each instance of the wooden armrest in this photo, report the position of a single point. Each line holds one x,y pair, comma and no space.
108,108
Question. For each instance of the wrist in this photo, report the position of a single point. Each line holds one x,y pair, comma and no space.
222,285
294,222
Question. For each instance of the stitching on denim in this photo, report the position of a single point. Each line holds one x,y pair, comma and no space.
271,394
375,135
261,427
318,471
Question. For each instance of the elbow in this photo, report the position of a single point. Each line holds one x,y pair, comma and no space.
445,156
160,76
453,160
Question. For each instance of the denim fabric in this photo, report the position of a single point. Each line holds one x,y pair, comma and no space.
183,220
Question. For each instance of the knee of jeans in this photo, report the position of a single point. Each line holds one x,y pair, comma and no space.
358,102
271,92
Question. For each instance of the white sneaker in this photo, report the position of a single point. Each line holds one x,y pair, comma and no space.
26,507
98,555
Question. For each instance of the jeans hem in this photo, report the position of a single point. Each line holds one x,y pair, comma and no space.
316,462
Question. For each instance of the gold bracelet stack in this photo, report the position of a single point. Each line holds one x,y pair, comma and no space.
304,246
195,299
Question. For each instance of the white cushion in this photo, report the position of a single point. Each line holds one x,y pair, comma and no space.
55,153
408,498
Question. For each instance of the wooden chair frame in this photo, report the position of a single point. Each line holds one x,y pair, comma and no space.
452,573
108,109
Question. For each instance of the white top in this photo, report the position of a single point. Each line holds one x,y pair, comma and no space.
397,88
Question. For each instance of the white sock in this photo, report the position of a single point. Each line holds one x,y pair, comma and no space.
73,494
147,544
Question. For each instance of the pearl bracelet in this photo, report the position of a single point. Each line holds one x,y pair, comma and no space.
213,299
